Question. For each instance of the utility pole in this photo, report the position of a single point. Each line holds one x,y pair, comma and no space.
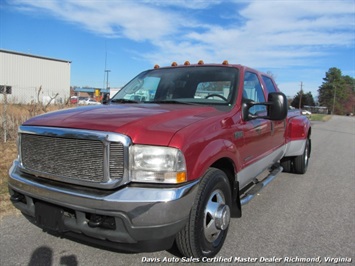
4,122
335,93
301,93
107,71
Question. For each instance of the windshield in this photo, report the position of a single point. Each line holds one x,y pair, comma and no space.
209,85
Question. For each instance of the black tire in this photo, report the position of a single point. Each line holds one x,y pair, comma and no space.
300,163
207,228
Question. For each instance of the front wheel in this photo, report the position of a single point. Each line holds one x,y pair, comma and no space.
207,227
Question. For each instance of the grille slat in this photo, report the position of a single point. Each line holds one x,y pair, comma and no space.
116,160
72,159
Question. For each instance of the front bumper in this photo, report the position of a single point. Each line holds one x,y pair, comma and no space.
140,214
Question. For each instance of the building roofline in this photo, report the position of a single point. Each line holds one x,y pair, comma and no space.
35,56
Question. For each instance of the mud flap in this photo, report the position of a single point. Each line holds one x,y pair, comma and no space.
236,210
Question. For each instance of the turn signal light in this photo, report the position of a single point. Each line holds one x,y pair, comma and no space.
181,177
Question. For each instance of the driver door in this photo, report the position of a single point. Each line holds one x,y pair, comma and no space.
256,132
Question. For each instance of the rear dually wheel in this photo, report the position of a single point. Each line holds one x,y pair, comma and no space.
300,163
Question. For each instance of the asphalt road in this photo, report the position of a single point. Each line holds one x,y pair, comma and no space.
295,218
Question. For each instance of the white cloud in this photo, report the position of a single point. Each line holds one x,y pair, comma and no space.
187,4
128,19
274,34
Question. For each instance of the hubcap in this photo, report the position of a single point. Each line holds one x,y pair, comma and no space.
216,216
222,217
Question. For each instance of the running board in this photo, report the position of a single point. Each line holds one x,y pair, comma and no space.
260,185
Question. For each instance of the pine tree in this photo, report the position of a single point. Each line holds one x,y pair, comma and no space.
337,92
306,99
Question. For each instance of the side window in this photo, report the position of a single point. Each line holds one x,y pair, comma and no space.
253,92
5,89
269,84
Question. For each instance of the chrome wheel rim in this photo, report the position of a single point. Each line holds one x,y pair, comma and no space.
216,216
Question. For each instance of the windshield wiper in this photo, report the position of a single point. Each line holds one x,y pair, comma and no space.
122,101
156,101
167,101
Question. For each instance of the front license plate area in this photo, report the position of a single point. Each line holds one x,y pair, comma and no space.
49,217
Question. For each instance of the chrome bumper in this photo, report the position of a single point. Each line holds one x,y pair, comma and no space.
140,213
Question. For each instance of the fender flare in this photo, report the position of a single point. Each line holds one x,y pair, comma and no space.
299,130
214,151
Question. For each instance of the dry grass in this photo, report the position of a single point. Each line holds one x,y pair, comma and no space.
9,153
16,115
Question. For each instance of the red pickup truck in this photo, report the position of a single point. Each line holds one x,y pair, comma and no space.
171,157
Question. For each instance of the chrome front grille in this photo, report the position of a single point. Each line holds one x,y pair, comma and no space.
94,161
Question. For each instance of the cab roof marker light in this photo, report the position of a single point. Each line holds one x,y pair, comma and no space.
225,62
156,66
174,64
187,63
200,62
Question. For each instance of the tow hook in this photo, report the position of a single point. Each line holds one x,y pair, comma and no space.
17,197
95,221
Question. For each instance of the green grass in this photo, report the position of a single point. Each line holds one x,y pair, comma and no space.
320,117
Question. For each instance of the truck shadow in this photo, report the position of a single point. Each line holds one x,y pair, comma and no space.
44,256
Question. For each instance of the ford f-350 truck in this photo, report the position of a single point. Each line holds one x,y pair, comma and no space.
171,157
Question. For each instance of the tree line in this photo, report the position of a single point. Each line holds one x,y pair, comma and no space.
337,93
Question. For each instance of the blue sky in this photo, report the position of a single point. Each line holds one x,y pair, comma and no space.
296,40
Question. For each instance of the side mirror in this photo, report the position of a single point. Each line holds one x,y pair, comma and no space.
277,107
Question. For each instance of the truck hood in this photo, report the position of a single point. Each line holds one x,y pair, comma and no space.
153,124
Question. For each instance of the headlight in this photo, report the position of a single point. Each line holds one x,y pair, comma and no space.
157,164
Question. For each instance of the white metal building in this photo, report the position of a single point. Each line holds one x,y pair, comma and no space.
30,78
